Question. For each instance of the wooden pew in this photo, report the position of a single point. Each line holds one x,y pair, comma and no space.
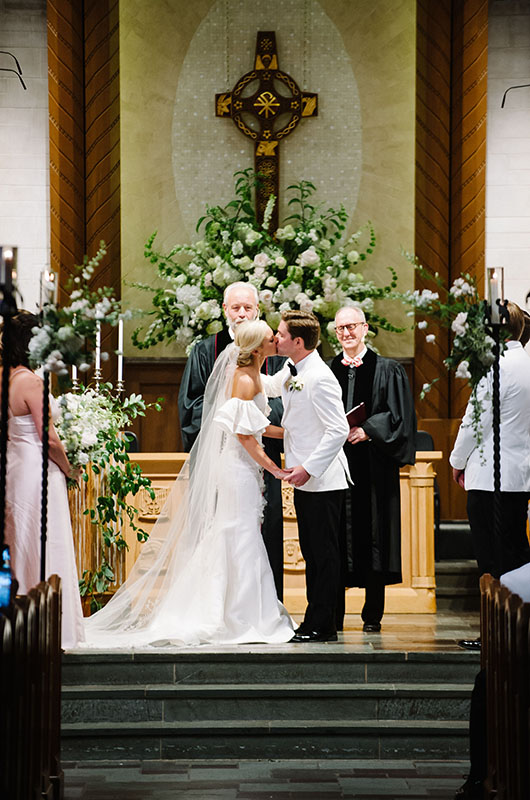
30,663
505,633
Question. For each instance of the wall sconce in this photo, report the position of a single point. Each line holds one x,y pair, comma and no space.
48,287
8,266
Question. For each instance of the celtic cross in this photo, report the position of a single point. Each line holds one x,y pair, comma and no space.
266,105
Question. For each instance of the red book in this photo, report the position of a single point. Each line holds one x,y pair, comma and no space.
356,416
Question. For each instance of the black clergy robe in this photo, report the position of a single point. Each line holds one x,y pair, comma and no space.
371,526
198,369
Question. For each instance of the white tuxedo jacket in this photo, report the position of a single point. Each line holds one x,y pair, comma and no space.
314,421
515,428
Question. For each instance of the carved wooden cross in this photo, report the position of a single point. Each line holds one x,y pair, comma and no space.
266,105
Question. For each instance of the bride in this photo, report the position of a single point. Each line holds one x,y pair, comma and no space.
204,576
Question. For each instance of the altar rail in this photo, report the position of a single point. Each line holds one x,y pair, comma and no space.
505,633
30,686
416,594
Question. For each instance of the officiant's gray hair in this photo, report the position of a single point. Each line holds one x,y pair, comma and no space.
241,285
248,337
359,311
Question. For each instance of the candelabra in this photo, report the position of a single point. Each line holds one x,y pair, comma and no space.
498,316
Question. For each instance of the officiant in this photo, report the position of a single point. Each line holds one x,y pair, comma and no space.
370,530
240,303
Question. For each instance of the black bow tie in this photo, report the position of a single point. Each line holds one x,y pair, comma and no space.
292,368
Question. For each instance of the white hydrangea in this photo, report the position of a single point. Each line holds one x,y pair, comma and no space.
462,371
459,325
189,295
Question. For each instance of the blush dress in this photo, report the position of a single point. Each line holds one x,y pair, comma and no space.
23,522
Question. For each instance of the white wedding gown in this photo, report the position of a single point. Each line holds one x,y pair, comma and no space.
204,576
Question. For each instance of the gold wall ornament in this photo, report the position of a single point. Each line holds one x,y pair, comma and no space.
266,105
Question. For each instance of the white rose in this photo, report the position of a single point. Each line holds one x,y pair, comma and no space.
430,338
280,262
262,260
422,324
265,297
309,258
353,256
271,281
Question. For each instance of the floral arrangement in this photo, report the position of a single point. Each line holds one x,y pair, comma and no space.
66,333
300,265
460,309
91,427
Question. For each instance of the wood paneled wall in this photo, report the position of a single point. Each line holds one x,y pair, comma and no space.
157,432
451,91
84,103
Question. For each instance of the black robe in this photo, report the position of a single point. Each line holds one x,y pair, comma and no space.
198,369
370,535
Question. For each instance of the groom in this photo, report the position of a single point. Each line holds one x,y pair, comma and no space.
315,431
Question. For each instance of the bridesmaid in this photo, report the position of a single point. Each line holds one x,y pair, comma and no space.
23,485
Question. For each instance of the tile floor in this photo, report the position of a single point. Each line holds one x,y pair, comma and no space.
264,780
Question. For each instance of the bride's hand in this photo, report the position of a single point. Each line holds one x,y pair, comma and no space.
282,474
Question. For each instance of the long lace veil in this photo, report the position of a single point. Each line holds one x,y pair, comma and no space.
131,615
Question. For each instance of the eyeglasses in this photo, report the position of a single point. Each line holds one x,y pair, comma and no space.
350,327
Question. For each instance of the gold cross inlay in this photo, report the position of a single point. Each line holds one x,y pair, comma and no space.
267,104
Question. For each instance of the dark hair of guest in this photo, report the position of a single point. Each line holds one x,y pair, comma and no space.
19,338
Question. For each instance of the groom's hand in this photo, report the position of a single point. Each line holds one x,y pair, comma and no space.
298,476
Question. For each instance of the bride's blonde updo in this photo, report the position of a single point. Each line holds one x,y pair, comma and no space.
248,337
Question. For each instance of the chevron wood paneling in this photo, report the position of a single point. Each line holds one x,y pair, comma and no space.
102,147
433,186
468,157
83,54
450,195
67,136
450,169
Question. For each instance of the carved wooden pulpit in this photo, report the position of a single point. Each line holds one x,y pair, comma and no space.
266,105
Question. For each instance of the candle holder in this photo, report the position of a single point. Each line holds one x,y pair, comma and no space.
48,287
495,287
8,266
120,386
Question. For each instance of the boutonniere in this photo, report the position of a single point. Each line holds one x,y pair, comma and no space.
295,384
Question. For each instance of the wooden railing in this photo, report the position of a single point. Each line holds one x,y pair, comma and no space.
505,633
30,686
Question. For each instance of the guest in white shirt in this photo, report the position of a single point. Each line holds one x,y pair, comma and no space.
473,466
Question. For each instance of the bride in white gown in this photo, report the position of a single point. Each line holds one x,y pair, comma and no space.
204,576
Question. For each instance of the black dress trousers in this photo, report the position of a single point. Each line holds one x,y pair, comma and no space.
498,554
318,515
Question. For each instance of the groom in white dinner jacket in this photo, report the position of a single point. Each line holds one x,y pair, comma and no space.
315,431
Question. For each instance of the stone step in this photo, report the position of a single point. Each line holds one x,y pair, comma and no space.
453,540
308,664
217,702
264,739
457,573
